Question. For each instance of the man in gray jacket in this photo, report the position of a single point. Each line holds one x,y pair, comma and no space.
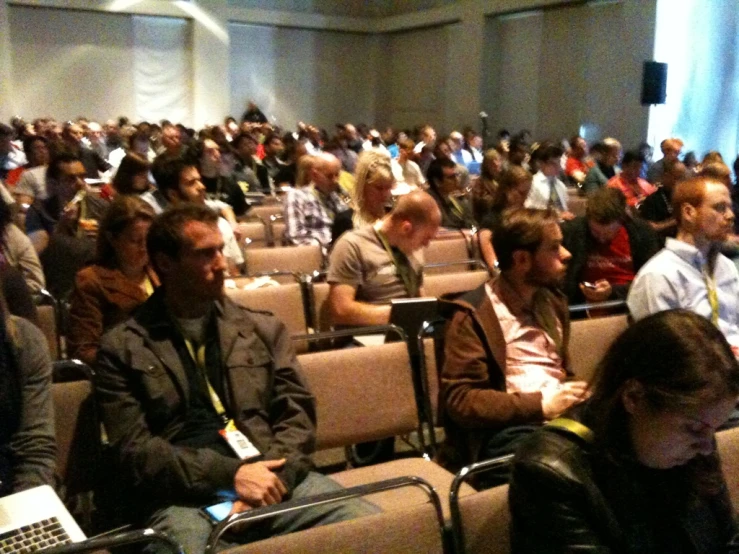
203,399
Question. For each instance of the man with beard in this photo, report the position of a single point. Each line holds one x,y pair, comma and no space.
505,368
690,272
219,185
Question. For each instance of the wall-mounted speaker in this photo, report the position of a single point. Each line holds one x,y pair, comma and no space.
654,83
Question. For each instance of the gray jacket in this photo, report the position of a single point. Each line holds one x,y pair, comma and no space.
33,445
144,393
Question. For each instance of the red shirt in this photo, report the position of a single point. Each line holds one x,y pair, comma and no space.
633,193
573,164
611,262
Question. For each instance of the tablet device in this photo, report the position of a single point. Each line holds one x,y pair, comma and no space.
218,512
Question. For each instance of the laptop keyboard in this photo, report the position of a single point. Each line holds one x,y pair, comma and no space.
34,537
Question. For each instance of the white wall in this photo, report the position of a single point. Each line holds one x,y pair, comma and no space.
320,77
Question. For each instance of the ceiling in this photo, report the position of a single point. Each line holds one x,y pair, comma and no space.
346,8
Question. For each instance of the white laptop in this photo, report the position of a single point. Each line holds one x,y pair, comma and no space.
35,519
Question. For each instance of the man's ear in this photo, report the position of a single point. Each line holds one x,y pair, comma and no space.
688,212
632,396
162,263
522,260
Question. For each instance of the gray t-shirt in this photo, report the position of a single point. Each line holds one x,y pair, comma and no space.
359,259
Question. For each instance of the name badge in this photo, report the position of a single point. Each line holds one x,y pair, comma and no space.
238,442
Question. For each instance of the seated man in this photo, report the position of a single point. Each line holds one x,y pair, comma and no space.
690,272
547,190
63,226
379,263
310,211
657,207
629,182
608,247
179,182
203,399
444,186
671,148
505,366
220,186
577,164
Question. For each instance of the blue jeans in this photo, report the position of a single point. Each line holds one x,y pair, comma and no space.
188,526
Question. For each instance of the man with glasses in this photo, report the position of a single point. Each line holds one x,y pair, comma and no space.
690,272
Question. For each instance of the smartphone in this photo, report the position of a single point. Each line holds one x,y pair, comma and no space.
588,285
218,512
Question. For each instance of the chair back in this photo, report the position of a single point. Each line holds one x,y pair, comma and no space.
253,234
362,394
727,443
444,251
589,341
277,228
320,317
285,302
452,283
264,211
296,259
77,428
47,322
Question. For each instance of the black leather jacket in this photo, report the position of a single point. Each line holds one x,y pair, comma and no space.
567,495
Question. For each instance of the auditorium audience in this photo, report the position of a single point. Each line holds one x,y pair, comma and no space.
28,182
27,438
119,281
178,182
608,247
444,187
513,189
547,190
408,175
376,263
484,189
606,155
633,187
577,164
634,468
657,207
206,155
72,138
310,211
690,272
17,251
671,149
371,195
505,367
190,338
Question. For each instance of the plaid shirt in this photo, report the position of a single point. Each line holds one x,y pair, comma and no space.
309,215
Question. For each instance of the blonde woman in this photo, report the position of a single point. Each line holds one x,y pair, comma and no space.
371,196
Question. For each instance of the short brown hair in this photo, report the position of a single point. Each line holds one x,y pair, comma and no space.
606,205
717,171
123,210
165,234
508,180
520,229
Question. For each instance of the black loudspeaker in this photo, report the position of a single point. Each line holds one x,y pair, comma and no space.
654,83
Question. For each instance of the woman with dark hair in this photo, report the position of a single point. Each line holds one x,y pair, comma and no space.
513,188
27,442
17,251
633,469
107,292
132,176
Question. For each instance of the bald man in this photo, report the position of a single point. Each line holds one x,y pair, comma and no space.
373,265
310,211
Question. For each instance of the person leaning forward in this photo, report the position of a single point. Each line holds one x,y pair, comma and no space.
191,363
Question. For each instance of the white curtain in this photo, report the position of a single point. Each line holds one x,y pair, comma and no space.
162,69
699,40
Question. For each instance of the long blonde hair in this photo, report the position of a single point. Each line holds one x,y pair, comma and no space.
371,165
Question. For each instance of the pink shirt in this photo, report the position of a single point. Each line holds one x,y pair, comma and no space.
532,361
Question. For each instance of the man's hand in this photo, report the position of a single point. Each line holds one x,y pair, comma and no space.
566,216
555,401
600,293
257,485
238,507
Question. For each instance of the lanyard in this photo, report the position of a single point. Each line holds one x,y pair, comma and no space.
712,296
456,208
402,266
198,356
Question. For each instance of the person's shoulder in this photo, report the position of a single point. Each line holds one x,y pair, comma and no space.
26,333
553,451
